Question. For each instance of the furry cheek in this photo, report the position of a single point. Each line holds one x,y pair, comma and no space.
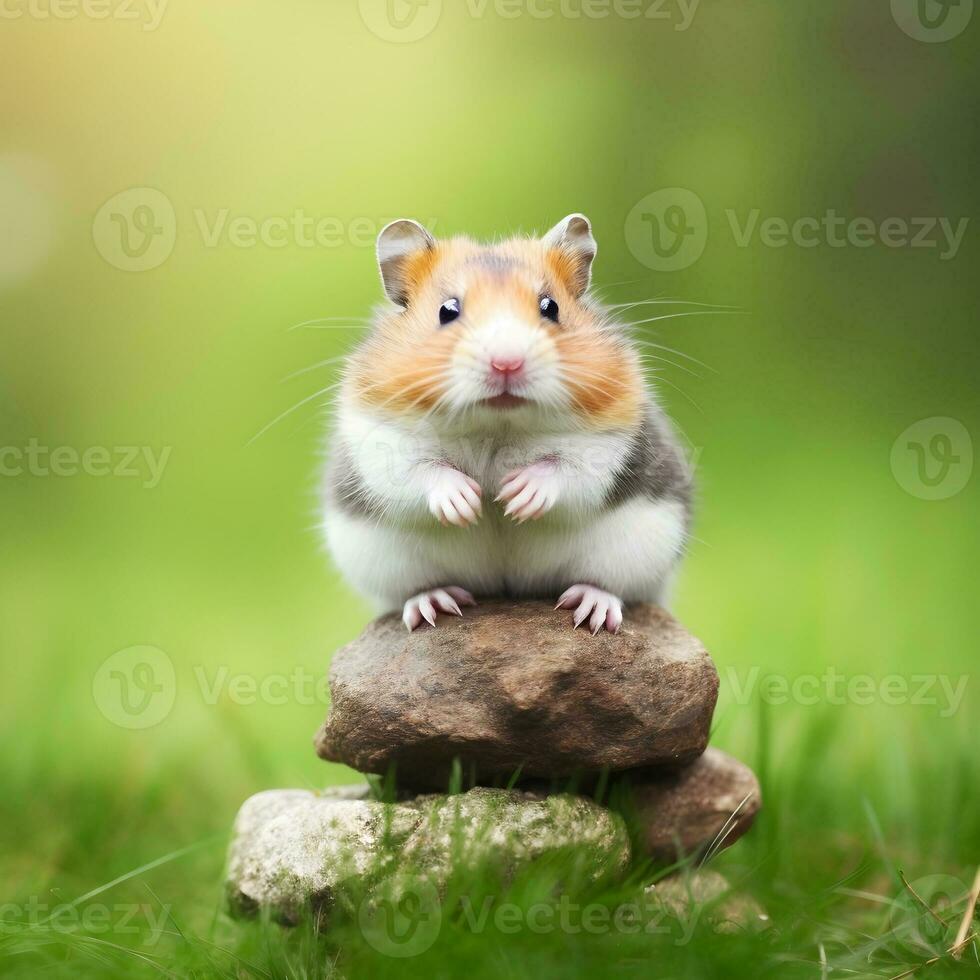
604,384
405,377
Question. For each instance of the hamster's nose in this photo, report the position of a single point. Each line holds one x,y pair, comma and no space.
507,364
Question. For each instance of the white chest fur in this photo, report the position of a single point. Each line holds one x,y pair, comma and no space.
396,548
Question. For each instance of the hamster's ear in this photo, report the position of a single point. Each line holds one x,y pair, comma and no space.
572,239
398,243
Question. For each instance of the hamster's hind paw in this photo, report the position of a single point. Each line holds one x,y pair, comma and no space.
599,607
426,605
455,499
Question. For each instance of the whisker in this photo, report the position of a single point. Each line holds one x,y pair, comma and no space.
674,316
624,282
326,323
430,380
330,326
652,358
577,382
313,367
662,380
670,302
289,411
673,350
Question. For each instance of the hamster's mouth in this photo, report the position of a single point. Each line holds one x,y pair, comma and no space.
505,400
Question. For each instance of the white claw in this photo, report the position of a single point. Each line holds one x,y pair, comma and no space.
614,618
601,608
411,617
571,596
446,602
598,619
428,610
426,606
585,607
461,595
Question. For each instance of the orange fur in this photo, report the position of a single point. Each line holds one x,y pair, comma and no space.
563,269
606,385
403,366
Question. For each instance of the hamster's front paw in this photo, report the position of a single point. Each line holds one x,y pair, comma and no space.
530,492
426,605
602,608
454,498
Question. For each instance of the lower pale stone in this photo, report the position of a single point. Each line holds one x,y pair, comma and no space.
293,849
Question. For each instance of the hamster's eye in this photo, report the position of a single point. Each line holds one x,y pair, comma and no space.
549,309
449,311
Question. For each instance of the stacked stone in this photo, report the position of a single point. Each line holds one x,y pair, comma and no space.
528,721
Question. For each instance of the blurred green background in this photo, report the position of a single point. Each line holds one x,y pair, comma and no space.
816,546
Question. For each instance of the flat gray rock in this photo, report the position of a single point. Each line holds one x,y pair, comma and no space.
514,827
294,849
512,687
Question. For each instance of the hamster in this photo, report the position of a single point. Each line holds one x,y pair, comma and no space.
495,436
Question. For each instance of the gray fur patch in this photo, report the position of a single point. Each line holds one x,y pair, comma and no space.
343,488
655,468
495,262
